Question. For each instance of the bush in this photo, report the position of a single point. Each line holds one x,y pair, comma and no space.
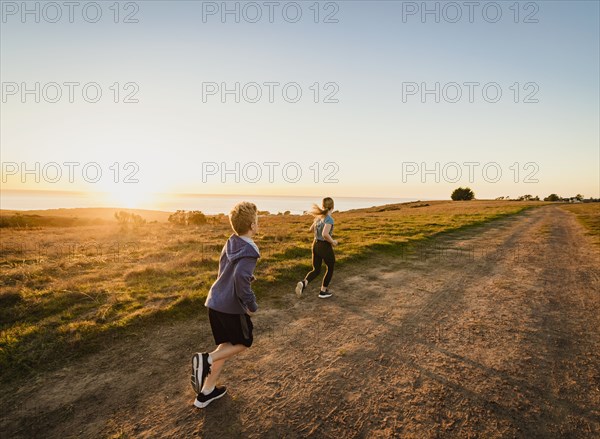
125,219
196,217
552,197
183,218
462,194
178,217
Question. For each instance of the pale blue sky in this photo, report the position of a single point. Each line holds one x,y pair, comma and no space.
369,133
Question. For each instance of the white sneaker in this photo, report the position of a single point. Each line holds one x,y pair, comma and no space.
325,294
203,400
200,370
299,288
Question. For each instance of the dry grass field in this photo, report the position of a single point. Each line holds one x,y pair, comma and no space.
450,318
62,287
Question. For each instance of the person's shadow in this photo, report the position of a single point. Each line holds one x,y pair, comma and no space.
220,419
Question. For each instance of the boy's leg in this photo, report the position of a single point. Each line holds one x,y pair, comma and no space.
211,380
219,356
226,350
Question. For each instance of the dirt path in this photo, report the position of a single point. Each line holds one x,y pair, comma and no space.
494,333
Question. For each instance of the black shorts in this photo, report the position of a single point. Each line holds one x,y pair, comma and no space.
231,328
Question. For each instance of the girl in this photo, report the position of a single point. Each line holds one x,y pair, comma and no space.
322,249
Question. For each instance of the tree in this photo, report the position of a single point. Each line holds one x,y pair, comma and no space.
462,194
579,197
552,197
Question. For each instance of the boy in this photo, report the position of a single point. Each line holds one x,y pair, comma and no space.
230,304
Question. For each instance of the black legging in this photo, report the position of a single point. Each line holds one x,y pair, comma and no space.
322,251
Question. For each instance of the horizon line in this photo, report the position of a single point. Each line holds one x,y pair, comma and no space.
191,194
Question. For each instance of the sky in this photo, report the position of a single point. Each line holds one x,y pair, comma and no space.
366,122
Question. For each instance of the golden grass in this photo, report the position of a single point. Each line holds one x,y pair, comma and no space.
66,289
589,215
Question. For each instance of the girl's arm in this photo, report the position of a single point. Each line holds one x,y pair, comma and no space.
312,226
326,235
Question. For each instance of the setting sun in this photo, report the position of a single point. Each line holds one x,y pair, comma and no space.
129,197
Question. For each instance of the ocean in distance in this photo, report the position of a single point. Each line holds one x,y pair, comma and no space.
209,204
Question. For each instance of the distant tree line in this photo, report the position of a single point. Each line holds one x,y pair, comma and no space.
465,194
552,197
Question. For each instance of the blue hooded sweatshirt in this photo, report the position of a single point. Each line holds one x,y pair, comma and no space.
231,292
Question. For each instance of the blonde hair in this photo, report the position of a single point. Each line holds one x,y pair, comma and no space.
326,207
242,216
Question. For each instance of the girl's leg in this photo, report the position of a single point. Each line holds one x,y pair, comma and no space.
317,260
329,258
219,356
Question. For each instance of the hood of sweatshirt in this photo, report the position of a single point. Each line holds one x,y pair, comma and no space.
237,248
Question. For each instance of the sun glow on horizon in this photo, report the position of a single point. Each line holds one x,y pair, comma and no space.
126,197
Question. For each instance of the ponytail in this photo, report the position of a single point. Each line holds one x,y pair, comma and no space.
326,207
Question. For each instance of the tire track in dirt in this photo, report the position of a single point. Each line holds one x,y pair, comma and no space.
491,332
